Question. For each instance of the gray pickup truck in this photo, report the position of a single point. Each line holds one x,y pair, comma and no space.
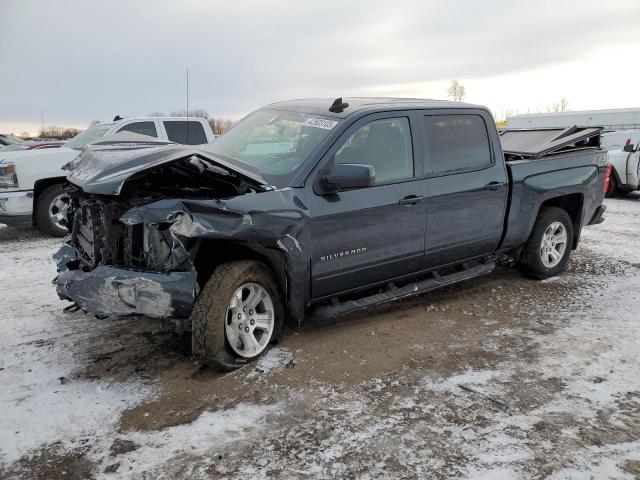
319,207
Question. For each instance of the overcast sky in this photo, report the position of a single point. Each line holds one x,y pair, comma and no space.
76,61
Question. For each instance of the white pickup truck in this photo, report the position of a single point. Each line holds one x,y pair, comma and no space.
32,184
623,148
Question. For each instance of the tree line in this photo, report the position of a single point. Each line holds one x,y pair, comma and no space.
53,133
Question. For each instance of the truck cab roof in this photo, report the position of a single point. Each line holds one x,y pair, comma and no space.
320,106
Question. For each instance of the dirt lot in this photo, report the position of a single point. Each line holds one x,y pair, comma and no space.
500,377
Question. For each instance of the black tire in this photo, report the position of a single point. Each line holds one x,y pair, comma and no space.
208,319
42,218
530,262
612,189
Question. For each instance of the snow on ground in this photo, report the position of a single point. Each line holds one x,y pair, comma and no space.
195,439
564,402
275,359
39,403
617,237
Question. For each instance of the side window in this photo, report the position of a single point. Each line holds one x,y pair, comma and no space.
142,128
383,144
457,142
177,132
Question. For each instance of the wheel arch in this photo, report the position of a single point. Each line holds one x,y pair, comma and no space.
615,175
39,186
572,204
212,252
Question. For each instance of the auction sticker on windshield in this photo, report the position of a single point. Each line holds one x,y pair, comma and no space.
320,123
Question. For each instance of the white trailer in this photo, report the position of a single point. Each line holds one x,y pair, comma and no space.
611,119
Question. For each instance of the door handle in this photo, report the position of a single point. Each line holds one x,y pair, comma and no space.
411,199
494,185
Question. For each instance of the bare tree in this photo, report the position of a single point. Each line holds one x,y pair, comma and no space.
220,125
200,113
505,114
156,114
25,135
196,112
94,122
50,132
561,105
456,91
69,133
59,133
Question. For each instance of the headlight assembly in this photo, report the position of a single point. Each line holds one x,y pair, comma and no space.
8,177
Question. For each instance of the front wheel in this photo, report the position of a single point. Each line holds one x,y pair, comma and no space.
238,314
51,210
547,251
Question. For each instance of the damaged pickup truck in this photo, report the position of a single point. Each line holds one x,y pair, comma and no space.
319,207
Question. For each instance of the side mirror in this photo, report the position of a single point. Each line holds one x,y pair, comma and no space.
345,176
628,148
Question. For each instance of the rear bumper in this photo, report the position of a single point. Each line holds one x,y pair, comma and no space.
598,215
16,206
109,291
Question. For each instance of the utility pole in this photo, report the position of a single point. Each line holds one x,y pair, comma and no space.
187,106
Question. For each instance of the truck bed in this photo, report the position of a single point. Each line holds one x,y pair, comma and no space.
578,173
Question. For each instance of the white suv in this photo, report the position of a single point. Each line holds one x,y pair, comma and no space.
32,184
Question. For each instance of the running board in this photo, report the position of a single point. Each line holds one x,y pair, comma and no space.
392,292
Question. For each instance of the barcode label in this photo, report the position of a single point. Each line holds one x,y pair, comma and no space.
320,123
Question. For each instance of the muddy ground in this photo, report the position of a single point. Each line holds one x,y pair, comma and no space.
499,377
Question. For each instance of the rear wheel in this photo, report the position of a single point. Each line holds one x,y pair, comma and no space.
547,251
237,315
51,210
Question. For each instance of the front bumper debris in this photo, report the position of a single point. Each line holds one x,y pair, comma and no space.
109,291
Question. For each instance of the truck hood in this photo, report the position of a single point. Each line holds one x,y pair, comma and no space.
24,156
105,166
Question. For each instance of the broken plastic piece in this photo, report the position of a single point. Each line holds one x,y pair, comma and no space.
73,308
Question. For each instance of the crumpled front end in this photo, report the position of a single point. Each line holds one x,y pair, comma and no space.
107,290
144,238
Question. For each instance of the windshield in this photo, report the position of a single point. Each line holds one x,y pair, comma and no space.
276,143
89,135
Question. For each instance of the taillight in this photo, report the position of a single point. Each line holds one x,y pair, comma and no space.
607,178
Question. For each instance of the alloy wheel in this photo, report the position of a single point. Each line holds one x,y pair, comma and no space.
58,210
250,320
553,245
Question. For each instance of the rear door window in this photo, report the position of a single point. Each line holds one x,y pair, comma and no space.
185,133
142,128
457,143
